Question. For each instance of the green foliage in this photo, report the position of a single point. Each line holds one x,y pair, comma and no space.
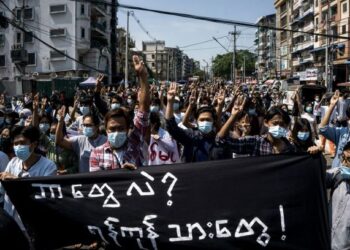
222,63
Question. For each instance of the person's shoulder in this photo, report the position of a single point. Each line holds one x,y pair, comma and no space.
3,155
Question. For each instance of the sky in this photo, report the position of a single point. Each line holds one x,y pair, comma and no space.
177,31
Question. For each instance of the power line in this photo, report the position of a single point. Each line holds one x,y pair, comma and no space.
199,43
142,27
212,19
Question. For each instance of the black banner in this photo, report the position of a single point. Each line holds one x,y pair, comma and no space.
275,202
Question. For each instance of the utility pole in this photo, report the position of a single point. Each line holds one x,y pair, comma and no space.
114,41
156,60
243,69
234,34
126,79
168,67
328,79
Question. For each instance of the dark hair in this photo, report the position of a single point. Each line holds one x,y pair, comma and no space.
118,113
31,133
277,111
156,101
205,109
300,124
253,121
118,98
94,119
347,146
154,119
48,118
347,112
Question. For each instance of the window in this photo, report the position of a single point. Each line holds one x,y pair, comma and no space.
343,29
28,37
18,37
2,40
82,33
82,9
345,7
316,3
59,8
28,14
31,59
57,32
2,60
55,56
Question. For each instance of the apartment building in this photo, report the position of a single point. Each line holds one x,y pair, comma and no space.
283,38
332,15
78,29
265,41
303,43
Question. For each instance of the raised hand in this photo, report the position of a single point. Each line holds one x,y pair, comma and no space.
61,113
335,98
221,97
36,101
193,98
139,66
236,109
172,92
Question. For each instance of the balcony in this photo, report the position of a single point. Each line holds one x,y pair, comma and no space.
308,59
99,9
297,4
297,34
296,62
98,27
308,27
309,10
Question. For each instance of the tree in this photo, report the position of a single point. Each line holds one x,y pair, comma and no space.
222,63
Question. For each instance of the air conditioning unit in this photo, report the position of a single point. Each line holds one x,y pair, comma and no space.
19,56
86,75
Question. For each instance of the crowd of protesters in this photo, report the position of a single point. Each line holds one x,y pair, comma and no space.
157,124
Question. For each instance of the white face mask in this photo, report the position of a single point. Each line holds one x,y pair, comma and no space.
117,139
115,106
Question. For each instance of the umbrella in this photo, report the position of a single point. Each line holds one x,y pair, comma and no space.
344,84
90,82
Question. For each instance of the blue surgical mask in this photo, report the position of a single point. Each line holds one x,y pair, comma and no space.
117,139
205,127
345,172
115,106
154,108
22,152
308,109
130,102
44,127
84,110
277,132
303,136
88,131
176,106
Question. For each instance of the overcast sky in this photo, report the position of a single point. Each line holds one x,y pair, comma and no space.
181,32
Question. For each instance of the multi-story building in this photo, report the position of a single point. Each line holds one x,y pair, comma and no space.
332,15
265,42
283,38
175,63
78,29
303,43
187,67
157,58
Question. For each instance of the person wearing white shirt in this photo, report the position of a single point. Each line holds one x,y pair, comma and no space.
27,163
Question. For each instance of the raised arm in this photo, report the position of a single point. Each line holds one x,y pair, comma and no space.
191,106
333,103
169,112
144,97
60,139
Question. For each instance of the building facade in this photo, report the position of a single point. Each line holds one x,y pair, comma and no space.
78,29
265,41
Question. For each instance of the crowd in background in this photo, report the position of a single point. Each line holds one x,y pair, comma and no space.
146,124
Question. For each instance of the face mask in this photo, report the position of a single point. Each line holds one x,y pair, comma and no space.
154,109
52,137
44,127
117,139
18,103
88,131
130,101
345,172
115,106
308,109
303,136
84,110
176,106
317,99
22,152
8,121
2,120
251,112
205,127
277,132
